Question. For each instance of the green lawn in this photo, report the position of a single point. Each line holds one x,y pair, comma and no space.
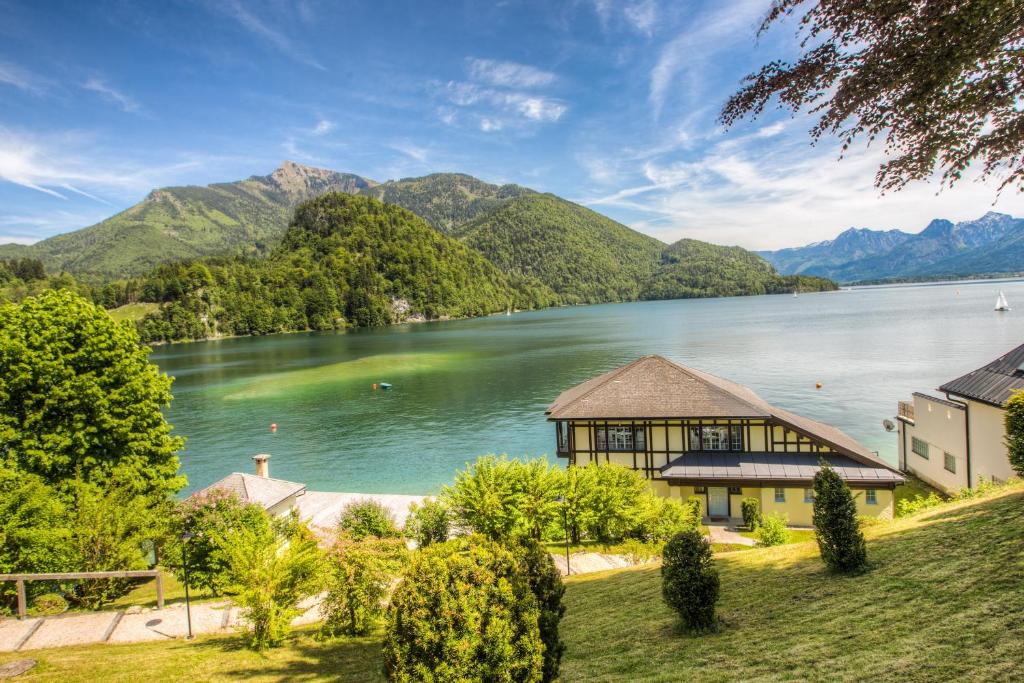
943,601
795,535
133,312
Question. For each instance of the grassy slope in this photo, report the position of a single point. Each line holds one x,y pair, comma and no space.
943,601
133,312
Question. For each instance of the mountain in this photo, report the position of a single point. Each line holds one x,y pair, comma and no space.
992,244
582,256
691,268
175,223
446,200
344,261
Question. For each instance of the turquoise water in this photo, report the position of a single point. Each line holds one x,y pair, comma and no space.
471,387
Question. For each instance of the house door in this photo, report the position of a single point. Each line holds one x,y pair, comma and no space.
718,501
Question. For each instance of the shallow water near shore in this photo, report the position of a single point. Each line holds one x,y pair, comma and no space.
465,388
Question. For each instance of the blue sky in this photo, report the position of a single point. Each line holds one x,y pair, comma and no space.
613,105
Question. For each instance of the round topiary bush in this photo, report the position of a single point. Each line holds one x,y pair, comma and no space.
689,580
464,611
48,604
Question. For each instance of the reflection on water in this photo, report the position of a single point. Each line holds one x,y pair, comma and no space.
479,386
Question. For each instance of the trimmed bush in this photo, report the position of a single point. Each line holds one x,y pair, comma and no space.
1015,431
751,510
547,588
464,611
47,605
662,518
361,574
772,531
428,523
367,517
835,523
689,580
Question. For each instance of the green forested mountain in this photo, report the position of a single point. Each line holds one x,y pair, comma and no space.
445,200
246,217
581,255
344,260
691,268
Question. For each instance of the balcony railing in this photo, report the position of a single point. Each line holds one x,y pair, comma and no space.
906,410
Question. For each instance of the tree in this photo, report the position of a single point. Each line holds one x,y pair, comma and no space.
79,399
613,504
360,575
428,523
689,580
547,587
938,80
367,517
835,523
484,498
751,509
272,567
464,611
1015,431
537,484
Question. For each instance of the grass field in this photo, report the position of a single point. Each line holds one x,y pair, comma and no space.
133,312
943,601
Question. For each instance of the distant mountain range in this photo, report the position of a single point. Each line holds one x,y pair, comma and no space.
990,245
184,248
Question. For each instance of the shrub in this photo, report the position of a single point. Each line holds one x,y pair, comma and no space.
464,611
659,519
48,604
697,505
272,567
835,523
751,510
428,523
772,531
911,506
689,581
547,588
612,508
638,552
209,518
360,576
367,517
1014,422
484,498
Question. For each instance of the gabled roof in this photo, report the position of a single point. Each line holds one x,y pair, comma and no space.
250,488
777,468
653,387
992,383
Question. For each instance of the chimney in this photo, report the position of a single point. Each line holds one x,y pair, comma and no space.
262,465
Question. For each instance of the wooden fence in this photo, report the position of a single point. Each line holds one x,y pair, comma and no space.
20,579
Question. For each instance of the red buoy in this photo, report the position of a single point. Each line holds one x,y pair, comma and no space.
374,387
273,428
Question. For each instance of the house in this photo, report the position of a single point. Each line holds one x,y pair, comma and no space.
693,434
277,496
957,441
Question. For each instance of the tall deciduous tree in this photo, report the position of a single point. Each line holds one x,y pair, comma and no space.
79,398
938,80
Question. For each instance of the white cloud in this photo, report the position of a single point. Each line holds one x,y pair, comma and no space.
23,79
260,28
322,127
642,16
498,106
490,125
112,94
412,151
508,74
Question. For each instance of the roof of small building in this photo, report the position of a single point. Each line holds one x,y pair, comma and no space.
767,468
653,387
250,488
993,383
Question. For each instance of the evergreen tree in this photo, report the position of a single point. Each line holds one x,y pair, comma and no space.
835,523
689,580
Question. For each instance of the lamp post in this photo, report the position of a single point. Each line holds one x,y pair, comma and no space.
186,536
565,523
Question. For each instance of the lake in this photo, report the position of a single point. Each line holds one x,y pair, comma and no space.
470,387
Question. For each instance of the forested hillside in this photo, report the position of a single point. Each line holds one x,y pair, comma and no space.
690,268
345,260
581,255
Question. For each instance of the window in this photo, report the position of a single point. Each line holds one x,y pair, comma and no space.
716,438
735,490
780,495
808,495
562,432
700,489
871,497
919,446
950,462
620,439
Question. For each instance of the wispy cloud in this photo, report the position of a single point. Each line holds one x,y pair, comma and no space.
261,29
108,92
322,127
642,16
508,74
23,79
413,151
501,109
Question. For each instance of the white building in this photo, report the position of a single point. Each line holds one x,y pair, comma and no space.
957,441
277,496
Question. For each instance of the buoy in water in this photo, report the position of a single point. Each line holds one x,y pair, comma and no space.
817,385
273,428
374,387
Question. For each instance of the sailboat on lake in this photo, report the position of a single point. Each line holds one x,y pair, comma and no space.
1001,302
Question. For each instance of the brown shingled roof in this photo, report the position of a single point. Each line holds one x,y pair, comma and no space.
250,488
653,387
